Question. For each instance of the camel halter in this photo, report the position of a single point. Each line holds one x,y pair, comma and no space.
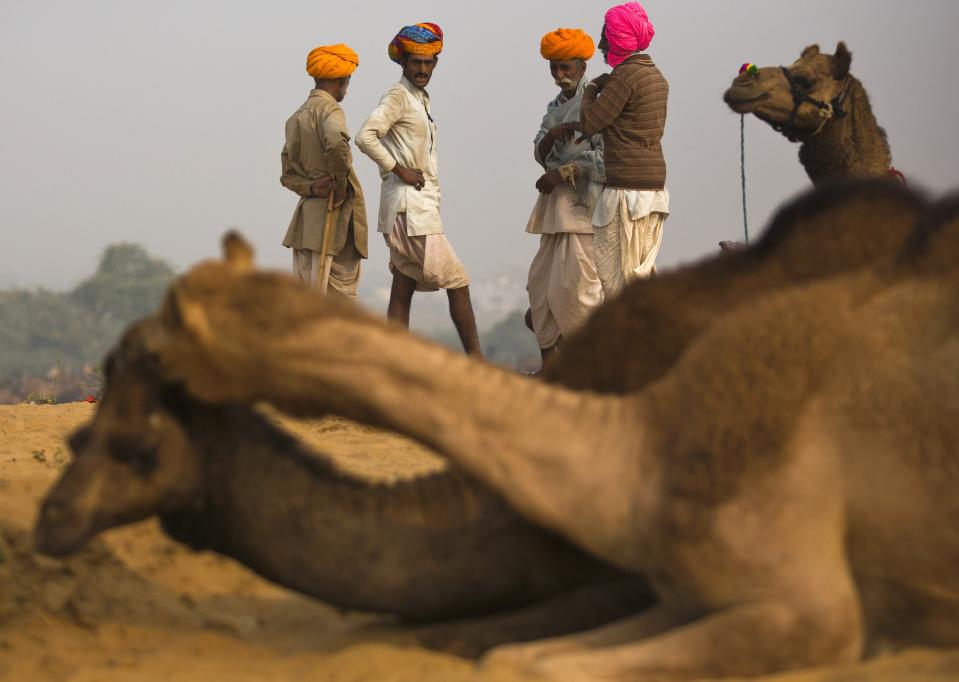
800,94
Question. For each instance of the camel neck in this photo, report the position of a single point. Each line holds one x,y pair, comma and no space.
853,145
294,517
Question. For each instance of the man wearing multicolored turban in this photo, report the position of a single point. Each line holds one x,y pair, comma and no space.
563,285
628,107
316,161
400,136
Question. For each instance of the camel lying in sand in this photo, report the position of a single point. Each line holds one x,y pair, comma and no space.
225,478
468,552
768,484
817,102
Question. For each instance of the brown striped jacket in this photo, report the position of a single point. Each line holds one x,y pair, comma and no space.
631,115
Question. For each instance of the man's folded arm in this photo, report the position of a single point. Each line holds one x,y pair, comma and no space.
293,178
598,111
377,125
336,148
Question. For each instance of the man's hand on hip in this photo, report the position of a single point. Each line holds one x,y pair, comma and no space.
411,176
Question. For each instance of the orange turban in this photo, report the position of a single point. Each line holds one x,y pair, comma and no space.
331,62
566,43
425,38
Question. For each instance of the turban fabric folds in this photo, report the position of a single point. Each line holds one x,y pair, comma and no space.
628,30
566,43
425,38
331,62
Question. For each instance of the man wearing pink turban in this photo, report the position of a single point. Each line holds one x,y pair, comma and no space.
628,107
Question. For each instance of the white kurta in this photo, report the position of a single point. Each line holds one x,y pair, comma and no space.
401,131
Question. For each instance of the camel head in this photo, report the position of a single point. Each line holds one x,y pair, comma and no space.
131,461
134,459
798,100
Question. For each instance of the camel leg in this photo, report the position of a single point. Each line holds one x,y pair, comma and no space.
579,609
651,622
752,638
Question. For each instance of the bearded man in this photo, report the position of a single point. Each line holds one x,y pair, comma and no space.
563,285
628,106
400,136
317,160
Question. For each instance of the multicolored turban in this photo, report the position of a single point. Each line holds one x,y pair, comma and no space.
566,43
628,30
331,62
426,38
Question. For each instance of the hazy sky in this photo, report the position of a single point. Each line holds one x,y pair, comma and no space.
162,123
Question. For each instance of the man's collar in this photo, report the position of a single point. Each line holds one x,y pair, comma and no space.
412,88
639,57
320,92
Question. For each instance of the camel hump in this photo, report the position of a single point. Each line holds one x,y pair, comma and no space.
237,252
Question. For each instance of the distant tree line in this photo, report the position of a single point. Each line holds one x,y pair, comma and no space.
51,343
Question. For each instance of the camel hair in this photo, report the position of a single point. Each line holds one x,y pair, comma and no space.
817,102
852,226
768,485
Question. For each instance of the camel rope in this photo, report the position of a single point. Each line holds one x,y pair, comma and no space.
742,170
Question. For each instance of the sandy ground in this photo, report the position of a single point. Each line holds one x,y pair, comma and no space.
134,606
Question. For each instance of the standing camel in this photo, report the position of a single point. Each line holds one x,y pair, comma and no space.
818,103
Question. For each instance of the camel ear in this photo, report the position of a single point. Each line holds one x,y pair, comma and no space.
188,315
810,51
841,61
237,252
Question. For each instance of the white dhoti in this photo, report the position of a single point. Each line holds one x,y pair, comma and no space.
563,286
344,272
427,259
628,234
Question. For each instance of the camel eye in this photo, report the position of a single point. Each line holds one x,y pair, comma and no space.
79,440
140,457
802,82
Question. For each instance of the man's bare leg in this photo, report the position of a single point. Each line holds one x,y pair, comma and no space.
461,310
545,353
401,299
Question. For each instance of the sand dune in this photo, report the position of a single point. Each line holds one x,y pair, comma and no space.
134,606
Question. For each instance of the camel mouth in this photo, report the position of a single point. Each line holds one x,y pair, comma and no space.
60,538
57,543
743,104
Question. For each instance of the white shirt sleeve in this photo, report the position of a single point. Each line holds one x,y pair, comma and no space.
387,112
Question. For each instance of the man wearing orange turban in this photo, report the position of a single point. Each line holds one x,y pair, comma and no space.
563,285
316,161
400,136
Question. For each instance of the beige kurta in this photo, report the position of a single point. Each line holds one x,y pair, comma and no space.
318,145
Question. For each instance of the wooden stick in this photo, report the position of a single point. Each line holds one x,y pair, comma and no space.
327,262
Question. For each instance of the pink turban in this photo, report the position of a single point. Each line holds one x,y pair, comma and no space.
628,30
